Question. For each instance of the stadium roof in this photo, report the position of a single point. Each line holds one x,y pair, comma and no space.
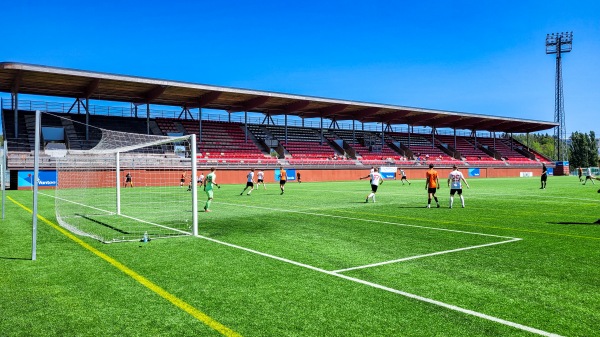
61,82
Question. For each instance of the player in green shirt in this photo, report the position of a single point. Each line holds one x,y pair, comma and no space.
209,182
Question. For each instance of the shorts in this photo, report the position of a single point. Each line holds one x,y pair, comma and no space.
259,181
209,193
432,190
374,188
456,190
282,182
544,177
182,180
128,180
403,177
249,184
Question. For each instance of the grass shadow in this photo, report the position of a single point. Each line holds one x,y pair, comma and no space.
15,258
596,223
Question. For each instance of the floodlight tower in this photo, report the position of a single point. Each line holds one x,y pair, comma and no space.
557,44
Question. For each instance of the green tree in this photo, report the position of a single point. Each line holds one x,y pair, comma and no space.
592,150
540,143
578,150
583,151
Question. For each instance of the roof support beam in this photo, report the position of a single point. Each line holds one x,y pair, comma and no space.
332,110
293,107
484,124
250,104
15,106
153,94
415,120
91,88
16,85
445,121
204,100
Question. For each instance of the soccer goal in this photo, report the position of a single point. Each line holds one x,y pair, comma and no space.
128,187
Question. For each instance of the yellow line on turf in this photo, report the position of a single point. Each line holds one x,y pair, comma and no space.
204,318
482,226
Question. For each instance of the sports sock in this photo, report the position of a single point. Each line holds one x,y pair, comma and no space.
451,201
462,201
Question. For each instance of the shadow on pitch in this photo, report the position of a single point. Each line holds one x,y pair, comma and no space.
576,223
15,258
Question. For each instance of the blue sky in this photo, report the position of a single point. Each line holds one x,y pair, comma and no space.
484,57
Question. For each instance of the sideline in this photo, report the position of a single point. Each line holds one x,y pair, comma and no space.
199,315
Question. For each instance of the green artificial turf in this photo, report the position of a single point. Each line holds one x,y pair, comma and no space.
282,265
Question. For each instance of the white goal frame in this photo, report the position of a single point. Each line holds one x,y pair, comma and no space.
116,150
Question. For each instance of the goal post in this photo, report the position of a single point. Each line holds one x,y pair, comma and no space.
128,187
3,161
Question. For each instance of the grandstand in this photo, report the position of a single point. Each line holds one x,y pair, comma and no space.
226,143
237,143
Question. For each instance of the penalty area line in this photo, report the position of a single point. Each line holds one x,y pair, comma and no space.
425,255
392,290
367,220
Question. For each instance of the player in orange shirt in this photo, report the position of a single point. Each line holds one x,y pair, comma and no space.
432,184
282,179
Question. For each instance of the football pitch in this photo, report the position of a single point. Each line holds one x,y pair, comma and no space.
319,261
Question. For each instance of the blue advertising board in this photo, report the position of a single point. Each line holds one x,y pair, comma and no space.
45,179
474,172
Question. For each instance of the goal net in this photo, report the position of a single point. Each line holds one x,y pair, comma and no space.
129,187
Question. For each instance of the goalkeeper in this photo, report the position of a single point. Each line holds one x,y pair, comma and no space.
128,180
209,182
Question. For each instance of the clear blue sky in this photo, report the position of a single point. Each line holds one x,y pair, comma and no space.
485,57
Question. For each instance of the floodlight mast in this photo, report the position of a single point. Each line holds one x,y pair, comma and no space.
557,44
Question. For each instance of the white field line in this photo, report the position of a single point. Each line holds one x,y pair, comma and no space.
470,193
122,215
375,285
80,204
424,255
366,220
395,291
520,196
398,224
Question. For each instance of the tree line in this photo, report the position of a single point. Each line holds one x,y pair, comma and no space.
583,150
583,147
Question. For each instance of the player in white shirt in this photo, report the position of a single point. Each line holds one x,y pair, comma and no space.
200,181
249,183
376,180
403,175
589,176
260,179
454,182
